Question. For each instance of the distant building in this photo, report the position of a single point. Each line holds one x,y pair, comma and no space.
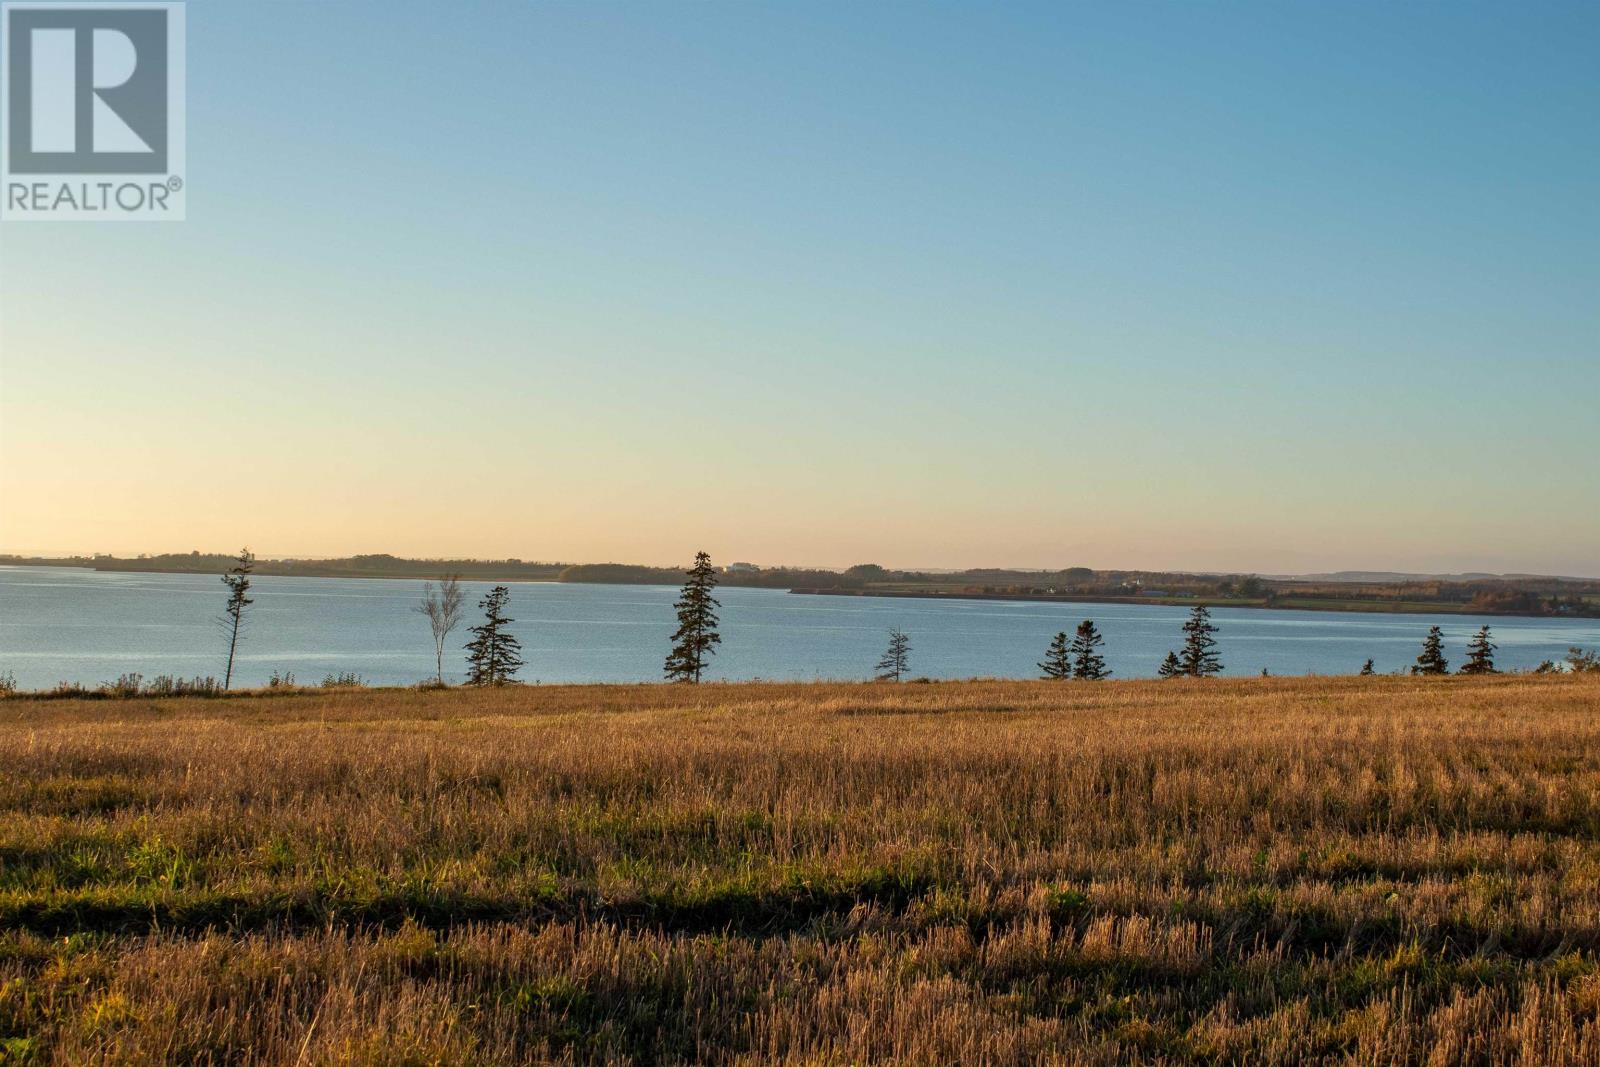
741,568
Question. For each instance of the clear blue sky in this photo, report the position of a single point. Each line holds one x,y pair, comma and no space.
1275,286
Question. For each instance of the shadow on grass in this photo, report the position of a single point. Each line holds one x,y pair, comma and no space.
743,910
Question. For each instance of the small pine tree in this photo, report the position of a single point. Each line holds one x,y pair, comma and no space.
696,639
1480,654
1366,669
1057,663
1432,660
493,654
1199,657
895,660
1170,667
1087,664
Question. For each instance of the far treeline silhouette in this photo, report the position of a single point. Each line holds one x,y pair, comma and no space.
494,655
1469,594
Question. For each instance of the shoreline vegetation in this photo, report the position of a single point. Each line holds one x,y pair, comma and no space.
1533,596
1076,665
1274,871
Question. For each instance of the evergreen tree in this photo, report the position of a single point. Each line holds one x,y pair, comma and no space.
894,661
493,654
696,639
238,582
1432,660
1170,667
1057,661
1366,669
1480,654
1087,664
1199,657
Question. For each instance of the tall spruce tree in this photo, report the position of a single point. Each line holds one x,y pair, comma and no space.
696,639
493,655
1199,656
1087,664
1170,667
1480,654
1432,660
1057,662
896,659
232,621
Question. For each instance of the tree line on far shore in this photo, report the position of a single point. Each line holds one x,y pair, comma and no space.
494,655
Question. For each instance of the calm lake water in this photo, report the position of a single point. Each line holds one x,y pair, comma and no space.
61,624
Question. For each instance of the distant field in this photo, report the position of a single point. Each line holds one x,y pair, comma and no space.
1372,870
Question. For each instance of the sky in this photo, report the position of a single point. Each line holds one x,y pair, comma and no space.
1273,287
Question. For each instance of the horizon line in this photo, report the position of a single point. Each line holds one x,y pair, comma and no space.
277,557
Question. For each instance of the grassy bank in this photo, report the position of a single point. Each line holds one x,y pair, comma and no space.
1368,870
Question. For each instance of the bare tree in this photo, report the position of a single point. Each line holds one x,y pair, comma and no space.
238,582
442,606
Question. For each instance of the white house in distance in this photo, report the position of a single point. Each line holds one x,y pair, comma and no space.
741,568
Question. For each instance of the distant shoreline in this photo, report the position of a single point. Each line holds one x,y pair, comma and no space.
1357,606
267,572
1281,594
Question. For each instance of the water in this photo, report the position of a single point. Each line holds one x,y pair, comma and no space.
62,624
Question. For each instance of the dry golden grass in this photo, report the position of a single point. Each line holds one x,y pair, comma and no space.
1373,870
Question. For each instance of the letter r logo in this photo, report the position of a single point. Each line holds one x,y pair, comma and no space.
88,90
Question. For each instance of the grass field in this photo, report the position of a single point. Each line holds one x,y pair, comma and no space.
1373,870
